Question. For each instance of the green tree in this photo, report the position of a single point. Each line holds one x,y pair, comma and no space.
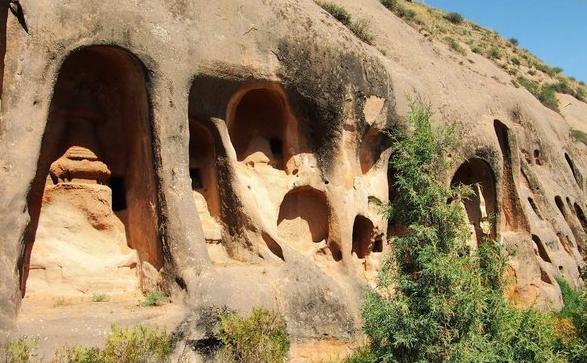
436,300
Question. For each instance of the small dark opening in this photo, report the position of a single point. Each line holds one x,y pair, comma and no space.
118,193
540,249
534,207
378,245
276,146
196,177
537,159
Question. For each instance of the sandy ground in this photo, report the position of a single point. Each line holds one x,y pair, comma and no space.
69,321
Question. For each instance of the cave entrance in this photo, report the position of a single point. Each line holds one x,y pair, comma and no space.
363,238
481,205
204,180
258,128
93,202
304,219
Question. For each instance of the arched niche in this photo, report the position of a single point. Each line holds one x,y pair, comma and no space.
93,202
514,217
203,166
259,124
304,220
363,238
481,206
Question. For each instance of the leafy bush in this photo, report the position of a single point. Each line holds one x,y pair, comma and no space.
455,46
362,30
361,27
494,53
545,94
514,41
515,61
563,86
100,297
437,301
548,97
476,50
21,350
155,298
136,344
261,337
579,135
399,10
581,94
454,18
339,13
390,4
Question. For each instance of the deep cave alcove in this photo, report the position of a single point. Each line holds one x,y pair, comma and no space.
96,167
363,243
481,206
258,122
203,166
304,220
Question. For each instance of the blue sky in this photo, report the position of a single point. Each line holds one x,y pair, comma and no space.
554,30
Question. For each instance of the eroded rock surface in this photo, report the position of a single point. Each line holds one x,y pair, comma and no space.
233,153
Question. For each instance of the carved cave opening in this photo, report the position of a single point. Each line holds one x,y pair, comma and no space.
535,208
540,250
204,179
576,174
93,202
581,216
363,233
304,221
258,128
512,209
481,205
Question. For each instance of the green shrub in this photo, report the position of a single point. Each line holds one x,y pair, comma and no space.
399,10
77,354
337,11
261,337
581,94
100,297
361,28
476,50
405,13
582,83
436,300
21,350
563,86
390,4
514,41
547,69
515,61
136,344
455,46
494,53
155,298
548,98
545,94
579,135
454,18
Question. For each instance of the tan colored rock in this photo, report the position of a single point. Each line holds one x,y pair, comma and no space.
237,154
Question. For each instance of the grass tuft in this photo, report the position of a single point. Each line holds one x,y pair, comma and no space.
100,297
155,298
259,337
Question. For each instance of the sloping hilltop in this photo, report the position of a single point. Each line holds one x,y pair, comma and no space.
232,154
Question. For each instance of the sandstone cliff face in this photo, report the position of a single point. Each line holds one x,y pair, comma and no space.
236,155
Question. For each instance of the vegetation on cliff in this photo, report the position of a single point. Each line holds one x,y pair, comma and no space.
438,301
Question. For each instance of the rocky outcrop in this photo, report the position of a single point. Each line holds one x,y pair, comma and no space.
237,155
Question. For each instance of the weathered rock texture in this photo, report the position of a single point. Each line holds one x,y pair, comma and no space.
234,150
